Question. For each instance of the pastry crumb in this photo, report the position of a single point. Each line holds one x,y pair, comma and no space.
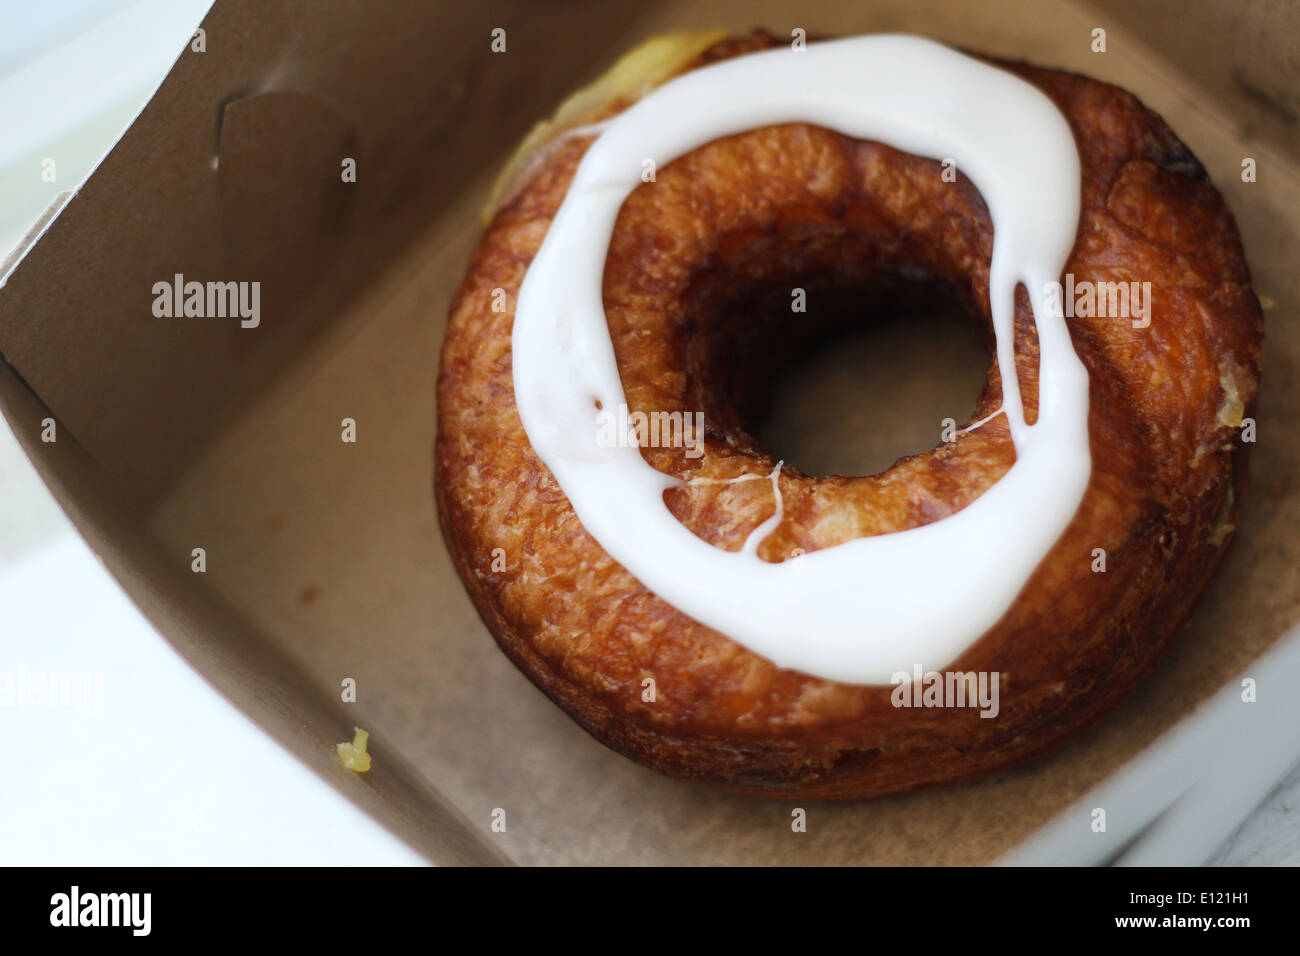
1232,409
354,755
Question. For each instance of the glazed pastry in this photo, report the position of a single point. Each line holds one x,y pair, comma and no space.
717,614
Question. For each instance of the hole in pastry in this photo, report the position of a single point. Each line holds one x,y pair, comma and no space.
874,392
1026,356
864,376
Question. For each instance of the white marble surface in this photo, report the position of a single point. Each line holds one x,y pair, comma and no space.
1270,836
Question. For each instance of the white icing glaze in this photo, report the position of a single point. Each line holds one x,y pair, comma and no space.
863,610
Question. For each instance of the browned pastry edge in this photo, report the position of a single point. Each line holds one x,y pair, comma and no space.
696,292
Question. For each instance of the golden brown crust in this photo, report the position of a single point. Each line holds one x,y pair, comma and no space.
688,282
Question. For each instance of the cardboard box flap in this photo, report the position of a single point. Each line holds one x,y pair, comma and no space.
297,149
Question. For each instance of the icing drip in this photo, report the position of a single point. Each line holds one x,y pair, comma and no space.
757,536
865,609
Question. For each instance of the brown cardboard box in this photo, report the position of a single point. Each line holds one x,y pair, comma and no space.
324,559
